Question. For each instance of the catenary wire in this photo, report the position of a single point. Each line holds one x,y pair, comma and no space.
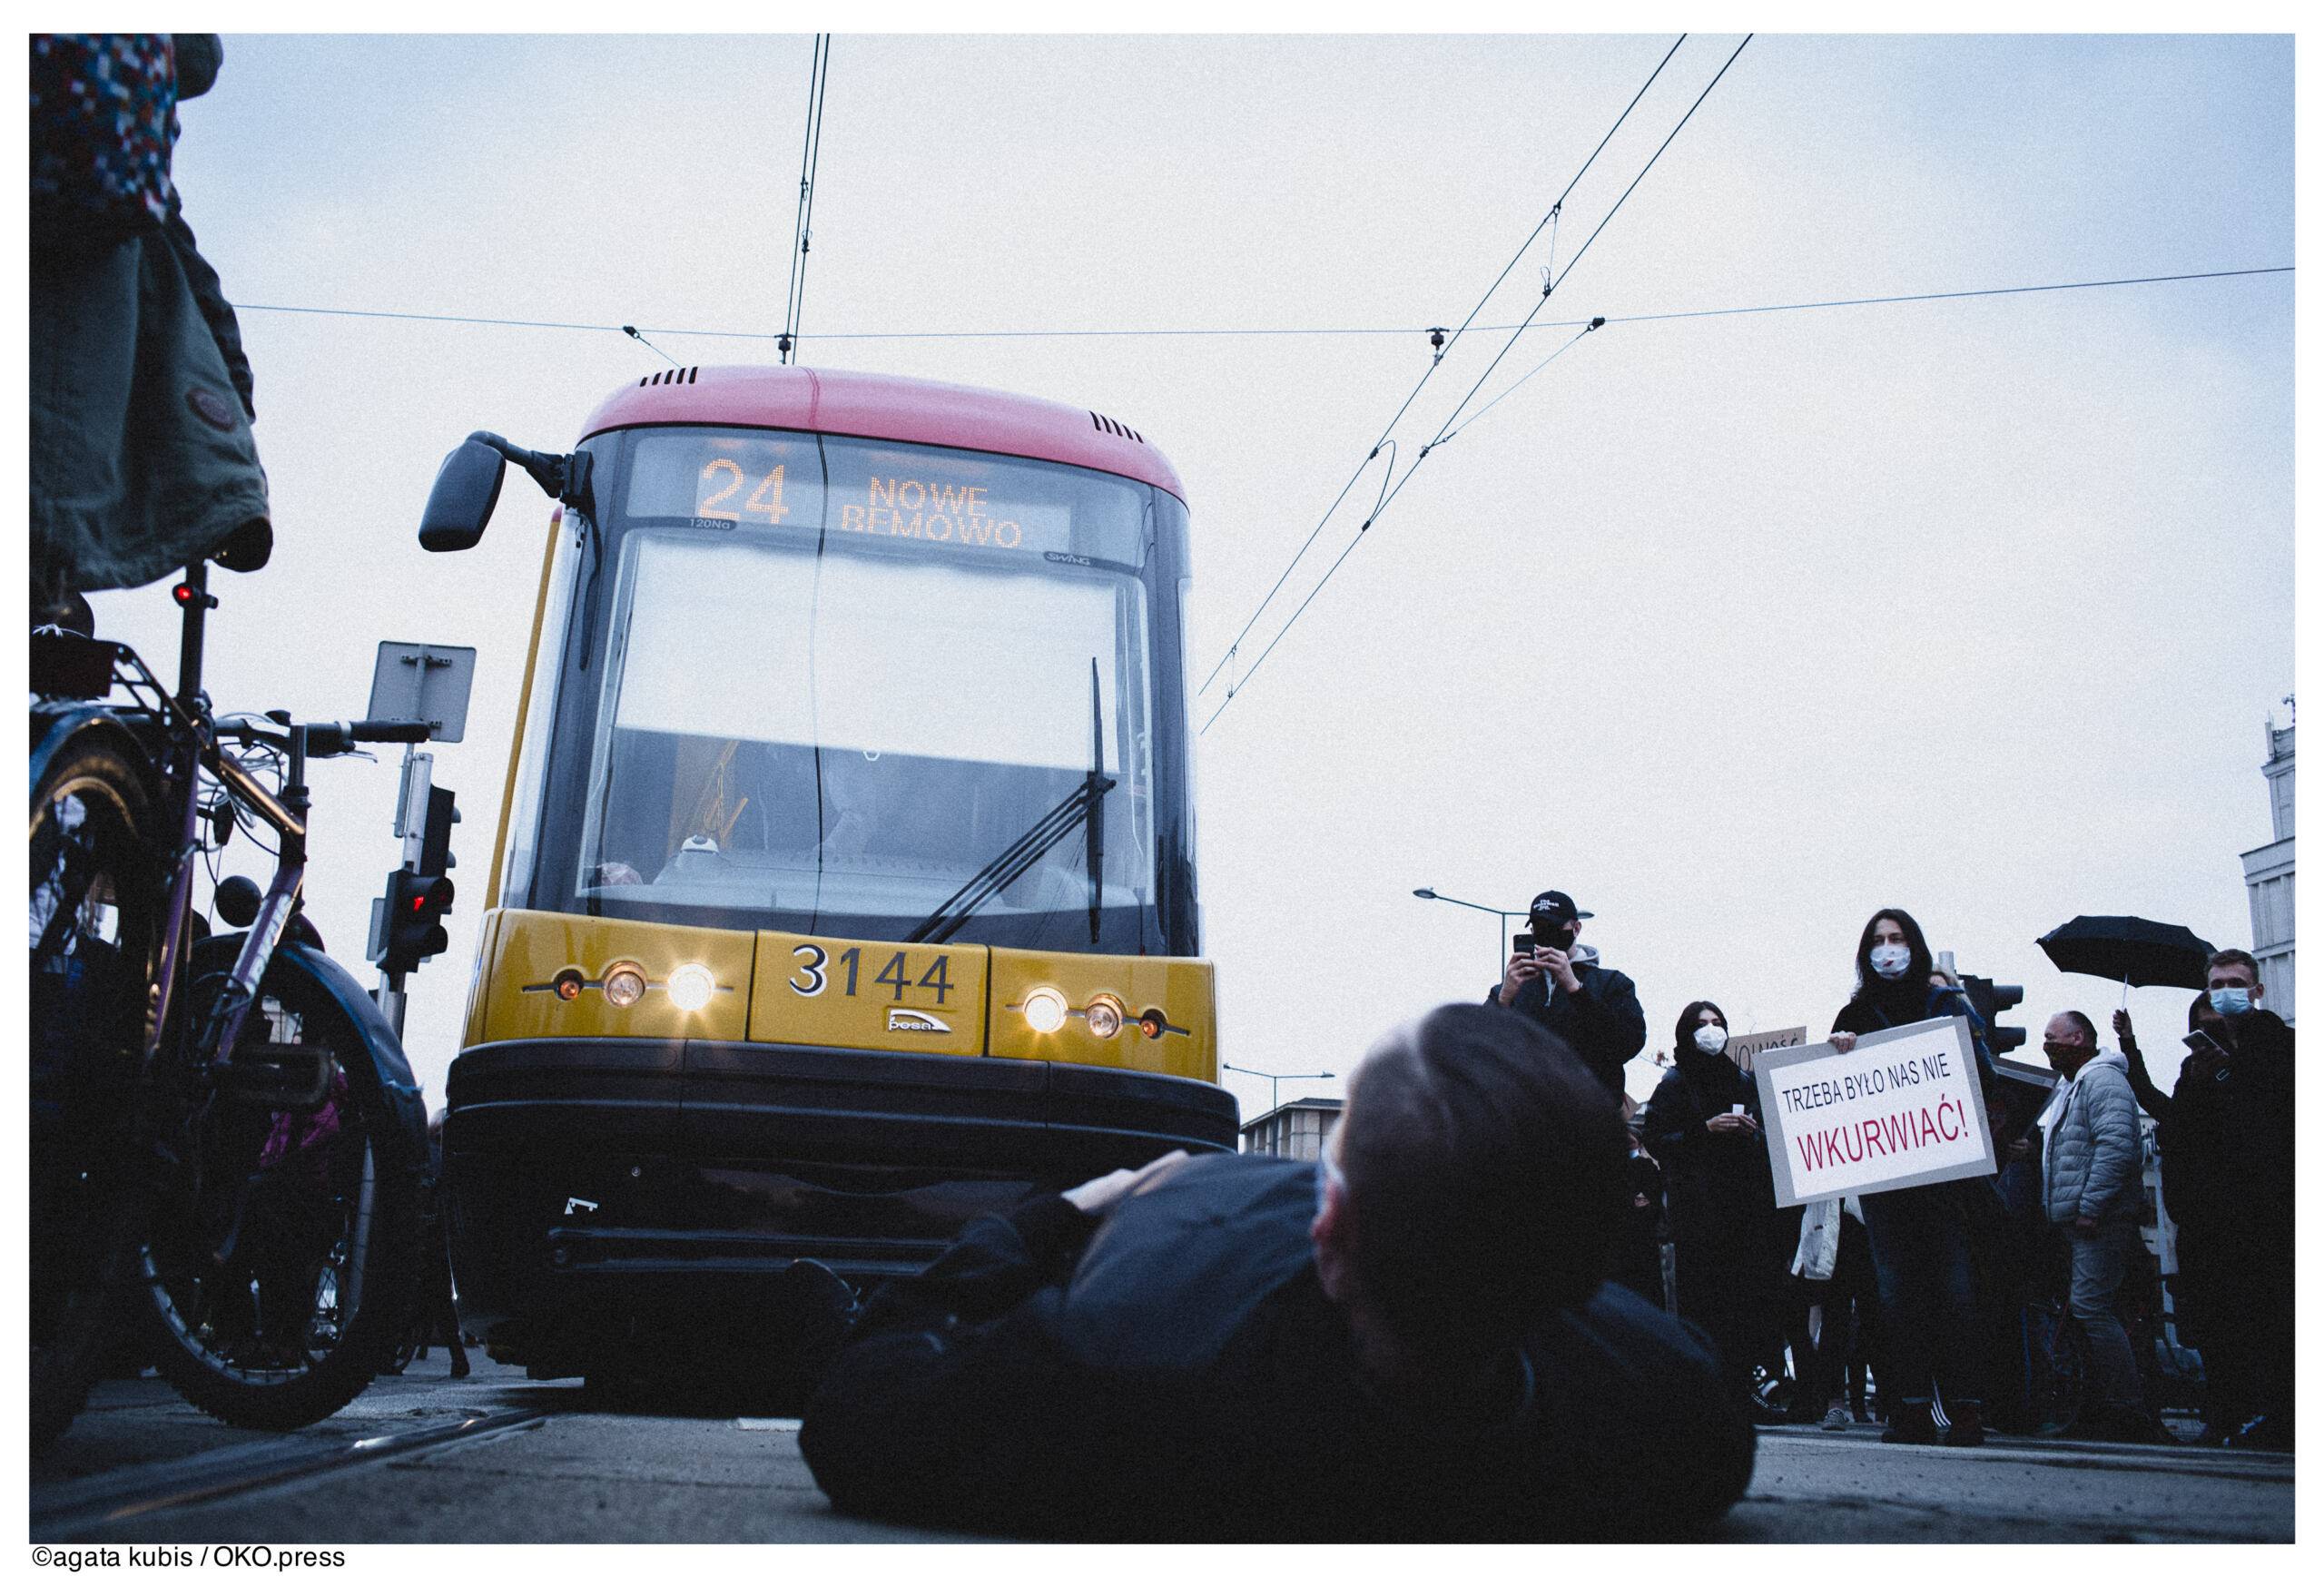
1428,372
1374,330
810,156
1429,447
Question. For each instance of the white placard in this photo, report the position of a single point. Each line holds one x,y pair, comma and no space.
1902,1109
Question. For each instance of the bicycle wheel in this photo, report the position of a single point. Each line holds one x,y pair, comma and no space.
94,925
279,1274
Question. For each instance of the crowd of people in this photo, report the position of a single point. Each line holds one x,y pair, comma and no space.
1919,1289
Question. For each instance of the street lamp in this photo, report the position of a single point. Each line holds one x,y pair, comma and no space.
1501,959
1273,1079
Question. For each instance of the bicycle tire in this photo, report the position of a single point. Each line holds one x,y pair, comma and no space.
279,1277
96,914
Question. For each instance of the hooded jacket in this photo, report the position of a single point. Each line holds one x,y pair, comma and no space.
1178,1374
2090,1160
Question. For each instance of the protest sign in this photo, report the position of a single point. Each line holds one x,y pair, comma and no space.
1743,1048
1901,1109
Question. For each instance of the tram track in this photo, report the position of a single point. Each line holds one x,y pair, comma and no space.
109,1503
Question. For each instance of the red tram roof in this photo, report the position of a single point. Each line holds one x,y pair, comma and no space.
876,405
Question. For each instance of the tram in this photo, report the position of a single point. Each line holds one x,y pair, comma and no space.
844,886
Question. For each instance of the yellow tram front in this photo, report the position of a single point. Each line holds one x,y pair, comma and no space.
845,886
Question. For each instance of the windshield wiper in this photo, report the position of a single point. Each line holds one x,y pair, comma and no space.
1079,806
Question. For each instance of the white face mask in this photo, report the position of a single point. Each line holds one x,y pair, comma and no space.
1711,1039
1890,961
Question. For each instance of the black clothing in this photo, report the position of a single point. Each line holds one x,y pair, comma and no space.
1847,1300
1723,1216
1177,1373
1637,1251
1929,1320
1601,1022
2227,1181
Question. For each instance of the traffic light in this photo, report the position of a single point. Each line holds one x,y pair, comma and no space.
436,835
417,904
1991,1001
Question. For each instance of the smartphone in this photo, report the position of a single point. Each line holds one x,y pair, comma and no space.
1520,944
2201,1041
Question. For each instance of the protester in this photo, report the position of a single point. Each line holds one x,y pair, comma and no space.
1560,985
2091,1191
1833,1269
1919,1235
1703,1126
1410,1339
2226,1137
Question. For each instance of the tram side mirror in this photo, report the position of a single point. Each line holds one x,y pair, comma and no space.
467,485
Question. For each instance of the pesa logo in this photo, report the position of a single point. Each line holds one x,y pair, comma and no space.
904,1020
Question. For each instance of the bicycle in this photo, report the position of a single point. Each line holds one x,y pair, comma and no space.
226,1136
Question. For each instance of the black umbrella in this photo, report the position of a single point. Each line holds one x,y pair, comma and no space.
2123,947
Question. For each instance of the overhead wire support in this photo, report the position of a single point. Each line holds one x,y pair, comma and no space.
1548,287
631,329
810,149
1435,361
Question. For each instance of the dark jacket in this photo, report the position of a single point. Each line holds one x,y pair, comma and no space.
2227,1152
1178,1374
1601,1022
1723,1217
1889,1006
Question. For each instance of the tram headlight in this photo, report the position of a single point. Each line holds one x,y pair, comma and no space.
1044,1010
691,987
1104,1017
625,983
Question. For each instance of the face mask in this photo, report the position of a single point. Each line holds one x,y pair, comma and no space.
2232,1000
1889,961
1710,1039
1560,940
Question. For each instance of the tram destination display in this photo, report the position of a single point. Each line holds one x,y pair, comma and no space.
1901,1109
723,482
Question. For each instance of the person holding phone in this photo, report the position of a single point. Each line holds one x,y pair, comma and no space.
1703,1126
1557,984
1919,1235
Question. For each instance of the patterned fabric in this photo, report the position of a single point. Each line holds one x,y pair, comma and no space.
104,120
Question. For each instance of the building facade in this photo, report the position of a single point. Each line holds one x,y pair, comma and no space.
2268,877
1295,1130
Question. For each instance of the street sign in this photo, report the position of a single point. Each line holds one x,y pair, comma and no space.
1743,1048
425,682
1902,1109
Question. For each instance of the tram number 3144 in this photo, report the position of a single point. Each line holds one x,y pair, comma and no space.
816,967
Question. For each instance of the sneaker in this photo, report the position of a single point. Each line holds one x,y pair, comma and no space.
1909,1423
1835,1418
1967,1426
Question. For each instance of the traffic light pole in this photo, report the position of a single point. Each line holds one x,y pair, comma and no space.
411,828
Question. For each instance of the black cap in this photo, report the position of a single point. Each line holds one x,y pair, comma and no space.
1558,908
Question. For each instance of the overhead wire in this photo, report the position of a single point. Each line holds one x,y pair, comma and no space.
1548,287
810,156
1375,331
1548,220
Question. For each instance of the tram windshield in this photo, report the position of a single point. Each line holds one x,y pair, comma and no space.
842,682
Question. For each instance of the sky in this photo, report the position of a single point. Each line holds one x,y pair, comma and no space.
1735,627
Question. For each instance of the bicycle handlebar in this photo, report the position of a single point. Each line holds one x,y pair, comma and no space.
387,731
339,738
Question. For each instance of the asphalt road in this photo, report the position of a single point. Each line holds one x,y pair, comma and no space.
142,1467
